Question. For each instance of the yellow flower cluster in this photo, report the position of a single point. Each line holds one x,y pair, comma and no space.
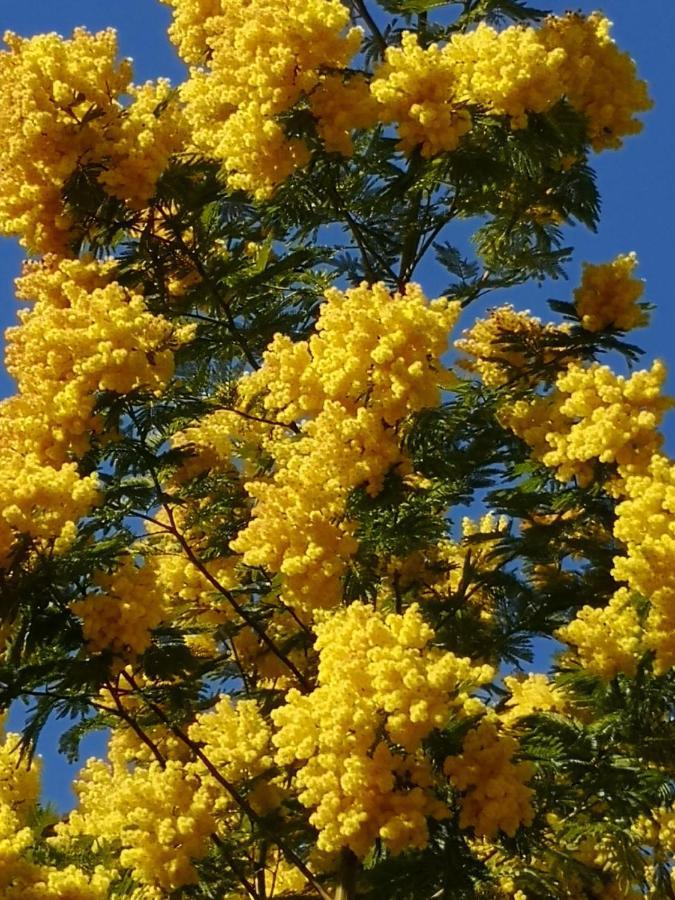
382,688
494,794
430,92
417,89
38,500
21,877
599,80
121,617
530,695
373,360
85,333
254,61
258,60
162,817
60,111
195,26
507,73
489,344
593,415
607,640
646,525
340,106
237,738
608,296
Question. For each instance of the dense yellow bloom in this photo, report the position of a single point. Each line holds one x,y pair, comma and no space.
489,344
60,111
373,360
530,695
142,140
260,59
382,688
85,333
607,640
340,106
430,93
120,618
598,79
608,296
494,795
417,89
162,817
39,501
646,525
507,73
236,739
594,415
195,25
19,780
21,877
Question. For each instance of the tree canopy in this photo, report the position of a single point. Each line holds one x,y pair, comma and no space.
290,531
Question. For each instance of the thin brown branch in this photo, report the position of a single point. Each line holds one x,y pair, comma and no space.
213,581
135,727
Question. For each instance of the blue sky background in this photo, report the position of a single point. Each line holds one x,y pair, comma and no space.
636,184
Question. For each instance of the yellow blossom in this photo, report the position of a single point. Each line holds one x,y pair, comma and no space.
60,112
593,416
121,616
382,688
255,61
608,296
494,795
373,360
607,640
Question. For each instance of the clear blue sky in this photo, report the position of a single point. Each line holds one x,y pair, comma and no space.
636,183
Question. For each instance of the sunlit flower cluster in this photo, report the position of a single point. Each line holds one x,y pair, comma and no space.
593,416
609,294
60,113
382,688
22,876
85,333
373,360
431,92
163,813
646,525
159,813
509,345
258,60
121,616
529,695
417,89
38,501
608,639
598,79
507,73
493,788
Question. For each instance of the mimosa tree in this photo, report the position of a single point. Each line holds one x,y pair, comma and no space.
288,529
